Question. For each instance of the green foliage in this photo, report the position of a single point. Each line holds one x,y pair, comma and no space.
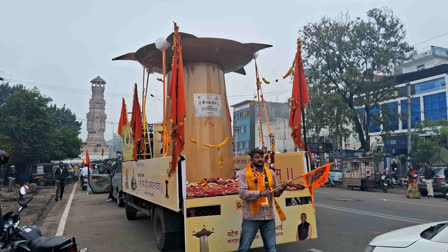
355,59
430,137
32,131
324,112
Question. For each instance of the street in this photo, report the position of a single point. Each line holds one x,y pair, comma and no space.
347,221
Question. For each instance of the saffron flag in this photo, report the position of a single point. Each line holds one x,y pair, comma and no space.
316,178
83,163
299,98
87,156
136,122
177,95
123,118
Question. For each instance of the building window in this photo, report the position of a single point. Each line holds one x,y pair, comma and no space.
242,130
415,112
430,86
374,123
420,67
435,106
390,111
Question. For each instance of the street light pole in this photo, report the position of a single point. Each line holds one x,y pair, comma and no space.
409,126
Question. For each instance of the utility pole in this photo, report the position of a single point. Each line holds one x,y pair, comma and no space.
409,126
236,141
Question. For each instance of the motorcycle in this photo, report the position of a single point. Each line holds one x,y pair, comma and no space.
381,182
14,238
394,179
84,184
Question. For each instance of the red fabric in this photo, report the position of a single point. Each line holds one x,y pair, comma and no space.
177,95
299,100
411,178
87,157
123,118
136,121
83,163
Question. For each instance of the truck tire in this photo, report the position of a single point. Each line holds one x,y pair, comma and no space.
119,198
131,212
167,228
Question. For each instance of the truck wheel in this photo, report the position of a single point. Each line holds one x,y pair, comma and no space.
120,201
167,228
131,212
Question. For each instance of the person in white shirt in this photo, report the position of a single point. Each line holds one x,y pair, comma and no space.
84,172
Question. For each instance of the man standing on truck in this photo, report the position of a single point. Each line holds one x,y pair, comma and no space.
256,183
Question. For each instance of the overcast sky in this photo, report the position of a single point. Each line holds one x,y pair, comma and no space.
59,46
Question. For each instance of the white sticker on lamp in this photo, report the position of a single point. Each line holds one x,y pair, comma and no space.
207,105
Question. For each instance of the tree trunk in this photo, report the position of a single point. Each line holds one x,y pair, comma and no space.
358,127
367,137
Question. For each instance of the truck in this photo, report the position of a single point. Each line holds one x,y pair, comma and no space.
195,206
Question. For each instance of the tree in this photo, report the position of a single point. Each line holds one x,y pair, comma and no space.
426,148
32,131
324,112
114,145
25,126
355,59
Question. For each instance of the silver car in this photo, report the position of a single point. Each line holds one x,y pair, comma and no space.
117,190
439,182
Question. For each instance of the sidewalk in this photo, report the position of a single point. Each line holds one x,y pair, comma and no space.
35,210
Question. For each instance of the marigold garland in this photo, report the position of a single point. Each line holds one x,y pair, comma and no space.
265,81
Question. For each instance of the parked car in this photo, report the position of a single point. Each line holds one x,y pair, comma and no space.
439,183
425,237
116,183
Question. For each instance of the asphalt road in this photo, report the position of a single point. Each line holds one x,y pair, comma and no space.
346,221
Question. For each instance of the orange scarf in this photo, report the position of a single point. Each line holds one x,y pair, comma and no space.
260,186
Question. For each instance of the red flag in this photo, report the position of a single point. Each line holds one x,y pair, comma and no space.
299,98
316,178
83,163
136,122
123,118
177,95
87,156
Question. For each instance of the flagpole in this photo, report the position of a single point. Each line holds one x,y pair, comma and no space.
305,141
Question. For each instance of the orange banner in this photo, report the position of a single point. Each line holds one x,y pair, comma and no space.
316,178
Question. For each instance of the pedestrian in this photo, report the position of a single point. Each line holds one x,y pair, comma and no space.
84,173
2,175
11,177
255,186
60,175
111,171
413,192
429,175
